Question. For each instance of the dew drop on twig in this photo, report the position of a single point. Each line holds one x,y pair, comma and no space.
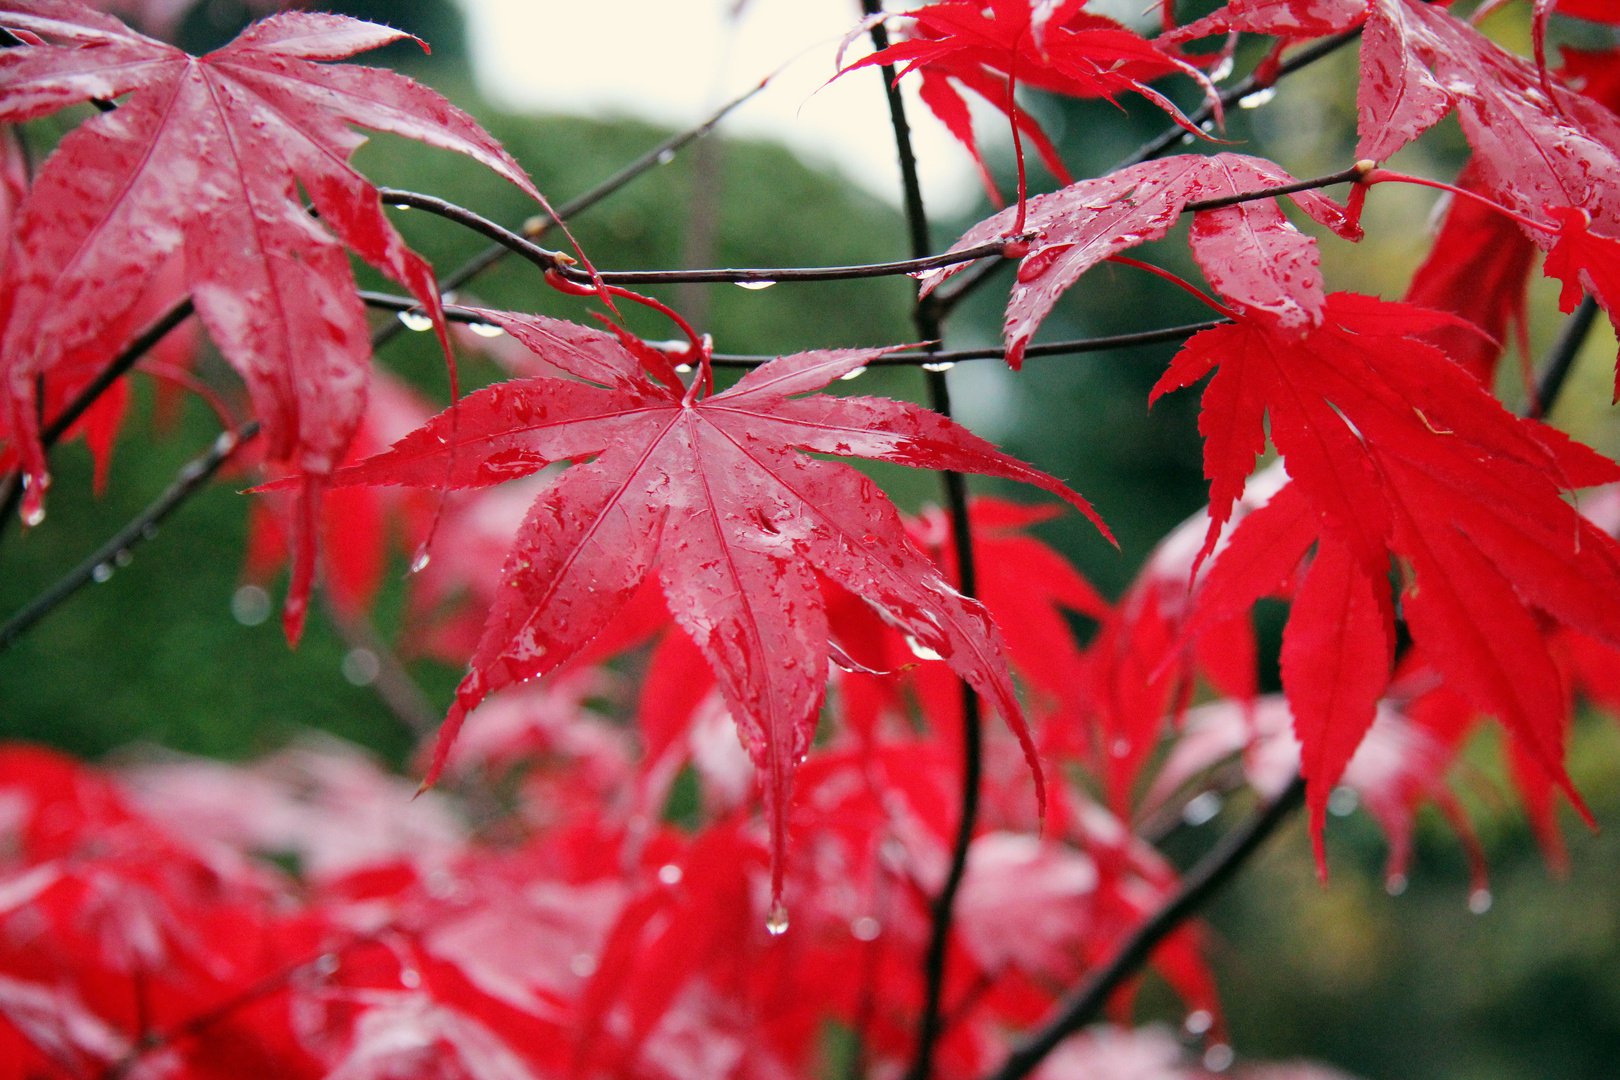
777,921
484,329
755,286
1258,98
945,366
415,320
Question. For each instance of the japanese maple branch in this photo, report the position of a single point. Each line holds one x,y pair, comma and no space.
1085,1003
928,325
1050,348
541,224
556,262
52,432
952,295
1561,357
1258,80
192,476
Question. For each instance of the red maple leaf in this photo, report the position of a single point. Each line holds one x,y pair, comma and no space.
711,490
1048,44
1397,452
1251,253
206,158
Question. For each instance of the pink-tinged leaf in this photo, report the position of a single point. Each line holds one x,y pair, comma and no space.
1090,221
1530,151
714,497
180,166
1280,18
1479,268
1336,657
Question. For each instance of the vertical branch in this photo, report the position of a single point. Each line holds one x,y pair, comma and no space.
939,399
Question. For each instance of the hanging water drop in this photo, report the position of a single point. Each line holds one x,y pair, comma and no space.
1221,70
1258,98
666,156
1198,1022
1218,1058
942,366
755,286
1479,901
866,928
857,373
250,605
420,560
777,921
102,573
415,320
683,368
484,329
33,515
1395,885
1201,808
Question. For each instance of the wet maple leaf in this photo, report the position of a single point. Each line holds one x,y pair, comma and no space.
1251,253
1048,44
1397,452
712,492
205,158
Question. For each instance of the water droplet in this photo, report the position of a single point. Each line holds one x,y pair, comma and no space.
1343,801
921,651
1199,1021
857,373
123,558
583,964
1121,748
755,286
415,320
420,560
670,874
1200,808
1222,70
777,921
1187,138
410,978
102,572
361,667
866,928
1258,98
1395,885
683,368
33,515
666,156
484,329
1218,1058
945,366
402,206
1479,901
149,531
326,964
250,605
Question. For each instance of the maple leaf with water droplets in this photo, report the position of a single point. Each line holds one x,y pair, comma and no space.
205,159
1396,451
1251,253
712,491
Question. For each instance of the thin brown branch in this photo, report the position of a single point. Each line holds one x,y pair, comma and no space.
1085,1003
116,552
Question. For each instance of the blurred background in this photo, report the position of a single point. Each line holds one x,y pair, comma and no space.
178,649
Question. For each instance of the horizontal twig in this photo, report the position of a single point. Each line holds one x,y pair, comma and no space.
193,475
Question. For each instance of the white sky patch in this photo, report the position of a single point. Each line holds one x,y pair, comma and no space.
672,62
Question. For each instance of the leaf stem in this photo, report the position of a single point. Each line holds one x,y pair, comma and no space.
538,226
1085,1002
1304,58
192,476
